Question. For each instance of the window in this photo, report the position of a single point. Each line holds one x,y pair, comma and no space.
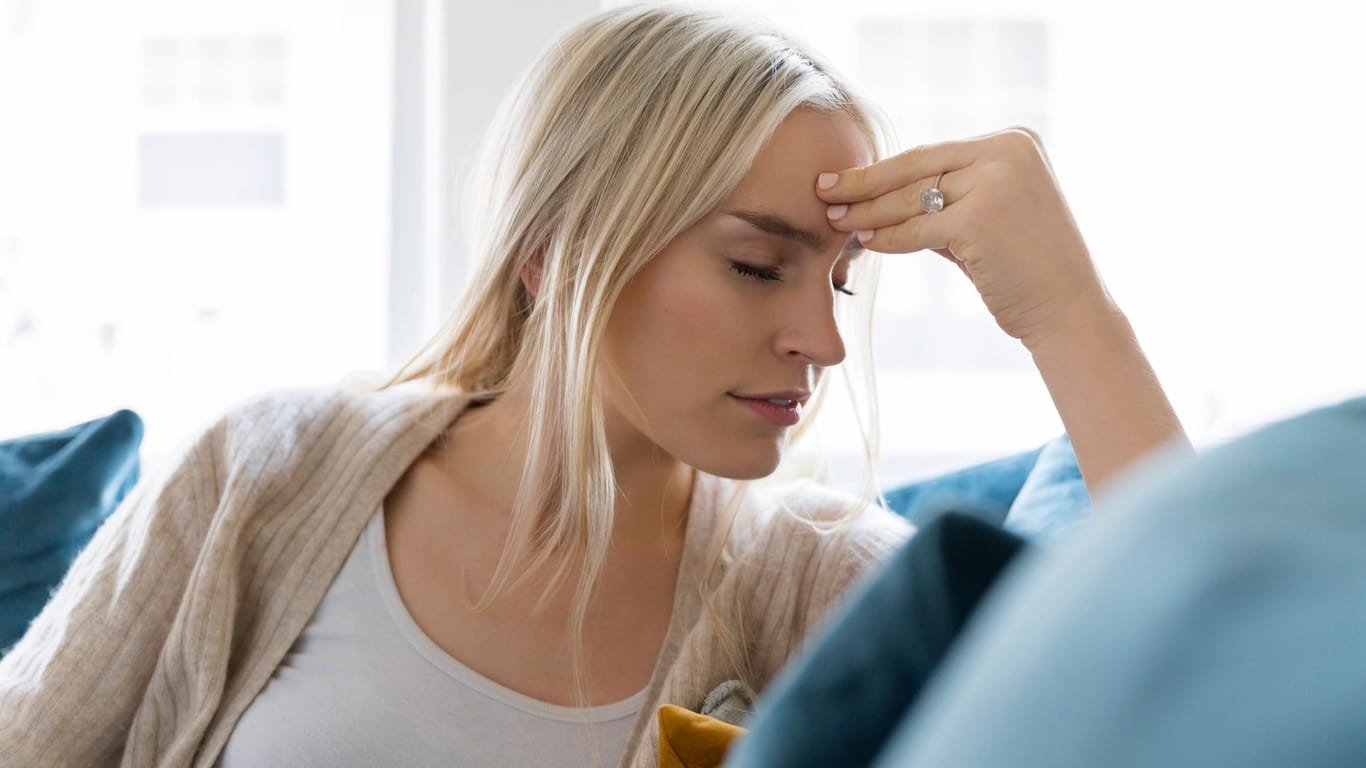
1210,178
953,389
194,208
202,200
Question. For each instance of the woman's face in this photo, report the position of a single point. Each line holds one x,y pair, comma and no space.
740,305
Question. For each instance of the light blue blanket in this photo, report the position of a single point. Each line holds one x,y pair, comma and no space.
1213,613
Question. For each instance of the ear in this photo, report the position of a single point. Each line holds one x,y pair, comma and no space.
531,276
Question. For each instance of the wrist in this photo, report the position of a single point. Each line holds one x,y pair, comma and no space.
1090,318
1109,398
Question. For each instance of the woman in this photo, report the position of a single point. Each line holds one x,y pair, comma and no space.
664,257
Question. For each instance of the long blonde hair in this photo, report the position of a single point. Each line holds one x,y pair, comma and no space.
632,126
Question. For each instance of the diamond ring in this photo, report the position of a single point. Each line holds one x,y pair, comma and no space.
932,200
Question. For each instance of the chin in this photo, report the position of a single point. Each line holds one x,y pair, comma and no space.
740,465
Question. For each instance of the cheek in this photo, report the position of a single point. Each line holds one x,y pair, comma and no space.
682,337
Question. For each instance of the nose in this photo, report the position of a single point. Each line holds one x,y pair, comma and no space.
811,333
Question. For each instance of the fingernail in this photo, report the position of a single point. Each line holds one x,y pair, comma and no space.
836,211
864,235
827,180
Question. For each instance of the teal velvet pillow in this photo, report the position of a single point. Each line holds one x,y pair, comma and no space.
56,488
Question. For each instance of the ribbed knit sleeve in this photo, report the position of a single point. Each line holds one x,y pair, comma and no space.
70,687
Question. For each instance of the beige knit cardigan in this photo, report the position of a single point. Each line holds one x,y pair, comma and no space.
178,611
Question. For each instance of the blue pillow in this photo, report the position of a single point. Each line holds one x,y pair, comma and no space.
1053,498
1038,494
56,489
985,491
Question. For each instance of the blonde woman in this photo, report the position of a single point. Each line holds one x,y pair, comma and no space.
520,546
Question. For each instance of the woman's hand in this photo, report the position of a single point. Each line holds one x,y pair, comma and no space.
1004,223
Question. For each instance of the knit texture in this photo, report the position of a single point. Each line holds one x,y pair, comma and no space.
190,594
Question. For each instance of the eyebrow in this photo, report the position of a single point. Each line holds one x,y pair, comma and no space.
774,224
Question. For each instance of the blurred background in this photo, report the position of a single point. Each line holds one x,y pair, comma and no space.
201,200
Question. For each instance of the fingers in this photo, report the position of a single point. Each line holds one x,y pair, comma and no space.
897,171
932,231
897,220
897,205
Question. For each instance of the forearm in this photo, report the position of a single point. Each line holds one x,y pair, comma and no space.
1105,390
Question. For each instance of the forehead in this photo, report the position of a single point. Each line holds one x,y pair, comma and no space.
806,144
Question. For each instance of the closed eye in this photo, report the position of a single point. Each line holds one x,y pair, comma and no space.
766,274
758,273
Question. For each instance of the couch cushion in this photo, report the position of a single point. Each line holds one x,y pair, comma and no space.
1038,494
984,491
1054,497
56,488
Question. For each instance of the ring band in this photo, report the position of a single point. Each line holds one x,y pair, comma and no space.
932,199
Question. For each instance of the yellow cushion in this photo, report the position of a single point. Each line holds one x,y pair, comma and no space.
690,740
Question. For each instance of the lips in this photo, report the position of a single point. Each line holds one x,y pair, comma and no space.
787,395
779,411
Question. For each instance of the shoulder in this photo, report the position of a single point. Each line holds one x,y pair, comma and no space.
284,443
277,432
813,542
836,528
301,411
799,551
289,420
274,424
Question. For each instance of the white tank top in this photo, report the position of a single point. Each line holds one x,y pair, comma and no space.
363,685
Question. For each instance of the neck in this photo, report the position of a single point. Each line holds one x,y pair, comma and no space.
653,488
